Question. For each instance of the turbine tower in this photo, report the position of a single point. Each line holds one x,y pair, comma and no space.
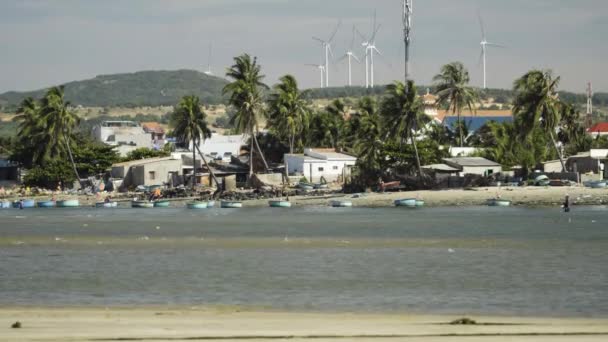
484,48
209,72
589,117
321,68
408,10
350,55
326,45
370,48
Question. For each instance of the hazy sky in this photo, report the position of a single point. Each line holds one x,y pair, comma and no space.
47,42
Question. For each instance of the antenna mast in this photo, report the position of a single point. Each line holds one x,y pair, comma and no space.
589,117
407,28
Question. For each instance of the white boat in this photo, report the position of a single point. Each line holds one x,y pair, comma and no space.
210,204
598,185
279,204
106,204
5,205
197,205
68,203
341,204
142,204
231,204
498,202
406,202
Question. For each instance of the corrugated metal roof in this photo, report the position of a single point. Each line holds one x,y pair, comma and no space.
471,161
441,167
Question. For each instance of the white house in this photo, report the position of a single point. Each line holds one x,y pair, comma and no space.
127,135
317,163
473,166
222,147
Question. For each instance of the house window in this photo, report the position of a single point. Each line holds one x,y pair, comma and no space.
335,167
152,175
321,169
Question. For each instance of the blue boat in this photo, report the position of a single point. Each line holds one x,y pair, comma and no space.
106,204
419,203
231,204
5,205
210,204
197,205
498,202
161,204
142,204
69,203
46,204
27,203
279,204
406,202
341,204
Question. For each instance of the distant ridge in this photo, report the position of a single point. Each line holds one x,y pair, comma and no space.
143,88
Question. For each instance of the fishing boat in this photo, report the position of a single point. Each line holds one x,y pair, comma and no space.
142,204
106,204
210,204
27,203
341,204
231,204
498,202
598,185
407,202
279,204
46,204
161,204
70,203
306,186
419,203
5,205
197,205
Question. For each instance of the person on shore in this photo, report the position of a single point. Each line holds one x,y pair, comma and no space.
21,204
567,204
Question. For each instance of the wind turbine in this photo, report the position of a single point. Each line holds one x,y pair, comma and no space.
408,10
350,55
484,47
321,68
370,47
326,44
208,72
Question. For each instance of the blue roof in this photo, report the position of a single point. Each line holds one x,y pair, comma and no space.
474,123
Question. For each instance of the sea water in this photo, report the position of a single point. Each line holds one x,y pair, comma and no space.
478,260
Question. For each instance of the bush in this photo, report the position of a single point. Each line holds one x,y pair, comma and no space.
53,173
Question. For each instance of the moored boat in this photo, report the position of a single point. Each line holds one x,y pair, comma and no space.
231,204
419,203
142,204
407,202
341,204
69,203
279,204
106,204
598,185
46,204
197,205
306,186
161,204
498,202
5,205
210,204
27,203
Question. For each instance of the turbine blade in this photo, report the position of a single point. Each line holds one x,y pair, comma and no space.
333,35
378,51
356,58
483,31
331,52
363,38
375,33
496,45
341,58
480,58
319,40
352,42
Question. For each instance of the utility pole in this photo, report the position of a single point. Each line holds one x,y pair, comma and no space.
407,28
589,117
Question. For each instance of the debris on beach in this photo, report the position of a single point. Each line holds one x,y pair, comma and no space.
463,321
16,325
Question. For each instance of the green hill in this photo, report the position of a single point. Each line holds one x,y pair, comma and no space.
144,88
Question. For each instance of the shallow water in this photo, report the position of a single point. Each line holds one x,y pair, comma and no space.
435,260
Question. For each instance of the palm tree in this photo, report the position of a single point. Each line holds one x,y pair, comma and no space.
452,89
536,105
247,98
336,112
189,123
367,139
59,125
402,107
288,111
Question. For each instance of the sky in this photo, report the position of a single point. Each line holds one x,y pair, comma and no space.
47,42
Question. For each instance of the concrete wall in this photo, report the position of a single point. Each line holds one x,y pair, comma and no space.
480,170
221,144
314,169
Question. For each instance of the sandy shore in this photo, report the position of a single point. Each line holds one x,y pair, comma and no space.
149,324
520,196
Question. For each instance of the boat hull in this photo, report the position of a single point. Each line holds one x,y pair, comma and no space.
279,204
5,205
341,204
28,203
142,204
46,204
162,204
408,203
197,205
231,205
419,203
498,202
73,203
106,204
210,204
598,185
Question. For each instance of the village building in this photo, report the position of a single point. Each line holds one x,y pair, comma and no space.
473,166
599,129
317,164
148,172
126,135
9,171
222,147
156,132
429,102
592,162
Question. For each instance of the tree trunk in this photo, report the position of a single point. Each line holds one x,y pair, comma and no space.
251,157
417,158
255,139
193,164
67,142
559,153
460,130
217,183
291,144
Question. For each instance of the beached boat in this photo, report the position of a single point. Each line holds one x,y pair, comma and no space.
70,203
5,205
321,186
231,204
598,185
142,204
407,202
106,204
306,186
197,205
210,204
279,204
27,203
498,202
419,203
162,204
46,204
341,204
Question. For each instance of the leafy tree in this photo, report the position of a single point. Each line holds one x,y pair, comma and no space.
288,111
189,123
54,173
536,105
145,153
246,96
326,127
451,86
368,142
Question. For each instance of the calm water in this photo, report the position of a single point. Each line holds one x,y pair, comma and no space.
439,260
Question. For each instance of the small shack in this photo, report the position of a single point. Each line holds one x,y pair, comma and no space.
474,166
147,172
